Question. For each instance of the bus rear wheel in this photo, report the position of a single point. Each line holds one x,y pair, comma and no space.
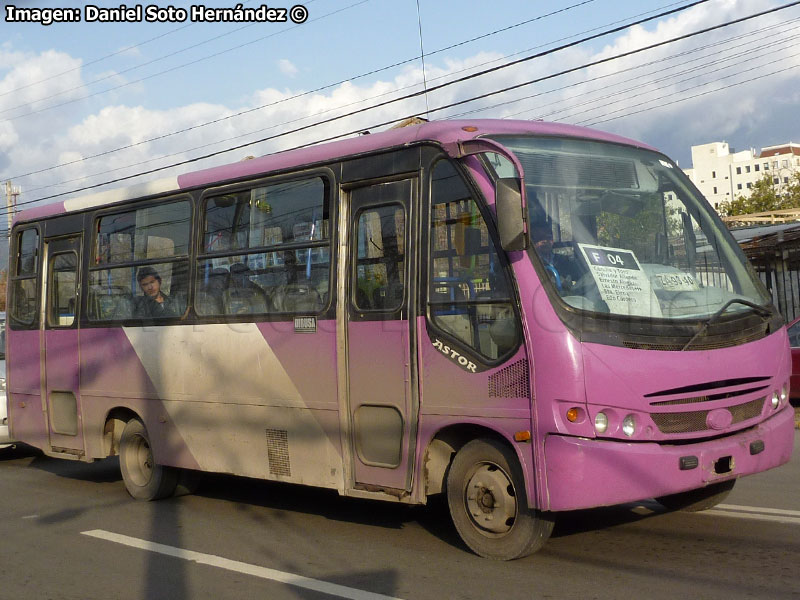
699,499
488,505
144,479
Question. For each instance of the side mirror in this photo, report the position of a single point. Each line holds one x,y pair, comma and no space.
510,217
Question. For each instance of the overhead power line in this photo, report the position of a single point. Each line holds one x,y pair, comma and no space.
769,50
100,59
171,69
774,47
461,102
306,93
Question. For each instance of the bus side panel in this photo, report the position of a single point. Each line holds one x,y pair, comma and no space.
26,412
112,376
497,399
222,398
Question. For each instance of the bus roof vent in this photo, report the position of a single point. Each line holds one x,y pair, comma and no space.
511,381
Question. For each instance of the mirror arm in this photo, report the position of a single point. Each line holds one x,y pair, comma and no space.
472,147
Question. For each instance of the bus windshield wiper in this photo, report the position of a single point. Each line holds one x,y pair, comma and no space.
760,310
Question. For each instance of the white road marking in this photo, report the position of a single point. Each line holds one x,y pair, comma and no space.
776,515
240,567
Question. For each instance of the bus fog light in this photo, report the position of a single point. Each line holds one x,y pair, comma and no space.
629,426
601,422
573,414
775,400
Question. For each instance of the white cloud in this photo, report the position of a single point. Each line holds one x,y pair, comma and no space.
287,67
637,102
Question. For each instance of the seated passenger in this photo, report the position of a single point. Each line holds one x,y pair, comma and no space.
154,303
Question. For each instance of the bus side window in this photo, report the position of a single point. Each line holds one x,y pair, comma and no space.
469,294
124,247
244,267
24,279
381,258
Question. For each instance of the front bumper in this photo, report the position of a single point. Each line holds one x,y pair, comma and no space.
585,473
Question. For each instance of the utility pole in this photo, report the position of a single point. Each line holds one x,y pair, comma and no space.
11,202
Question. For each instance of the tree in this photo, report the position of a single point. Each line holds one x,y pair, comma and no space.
765,196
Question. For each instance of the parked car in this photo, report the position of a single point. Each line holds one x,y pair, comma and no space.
794,342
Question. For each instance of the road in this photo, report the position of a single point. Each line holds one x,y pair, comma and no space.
70,531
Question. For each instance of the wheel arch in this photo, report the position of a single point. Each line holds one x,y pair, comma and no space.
444,445
112,429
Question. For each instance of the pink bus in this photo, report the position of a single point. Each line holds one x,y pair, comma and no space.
526,317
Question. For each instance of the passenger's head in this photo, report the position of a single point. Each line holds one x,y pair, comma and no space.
150,281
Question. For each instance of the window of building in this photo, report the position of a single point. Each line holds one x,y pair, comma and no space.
747,168
775,180
738,170
713,174
758,168
785,180
266,250
738,186
785,164
715,190
749,185
139,267
766,166
774,164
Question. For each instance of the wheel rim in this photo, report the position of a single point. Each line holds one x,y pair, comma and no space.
490,500
139,461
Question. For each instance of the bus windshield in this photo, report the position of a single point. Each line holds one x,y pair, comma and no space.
621,230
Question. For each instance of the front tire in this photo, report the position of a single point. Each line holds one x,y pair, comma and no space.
699,499
488,504
144,479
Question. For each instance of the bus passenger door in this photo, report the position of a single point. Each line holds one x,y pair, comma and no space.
61,359
380,334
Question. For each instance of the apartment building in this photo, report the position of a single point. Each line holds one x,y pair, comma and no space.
722,174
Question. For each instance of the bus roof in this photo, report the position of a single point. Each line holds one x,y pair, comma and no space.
442,132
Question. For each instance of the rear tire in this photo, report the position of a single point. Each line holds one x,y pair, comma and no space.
488,504
699,499
144,479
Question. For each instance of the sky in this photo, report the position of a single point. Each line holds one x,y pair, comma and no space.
85,103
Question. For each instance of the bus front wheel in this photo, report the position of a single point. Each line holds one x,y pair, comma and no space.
488,504
144,479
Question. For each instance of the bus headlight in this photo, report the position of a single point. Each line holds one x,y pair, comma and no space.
629,426
601,422
784,392
776,400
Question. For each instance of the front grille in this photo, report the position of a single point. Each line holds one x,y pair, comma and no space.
709,398
695,421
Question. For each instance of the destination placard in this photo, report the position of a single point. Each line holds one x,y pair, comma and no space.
623,285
